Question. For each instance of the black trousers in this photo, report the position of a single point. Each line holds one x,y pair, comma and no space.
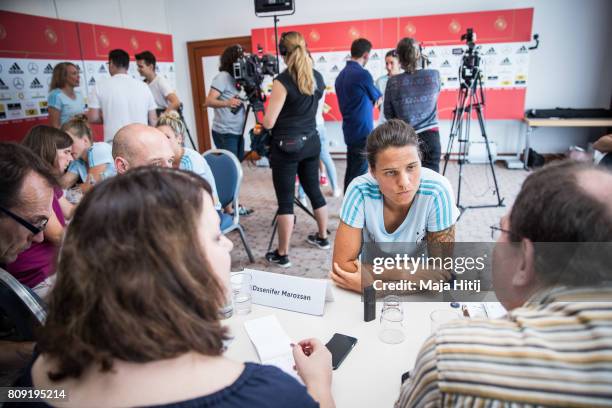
429,142
356,163
304,164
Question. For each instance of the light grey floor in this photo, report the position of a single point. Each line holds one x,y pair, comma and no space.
258,193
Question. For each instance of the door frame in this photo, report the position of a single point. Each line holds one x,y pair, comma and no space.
196,50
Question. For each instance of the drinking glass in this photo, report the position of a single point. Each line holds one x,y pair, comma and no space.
392,321
241,292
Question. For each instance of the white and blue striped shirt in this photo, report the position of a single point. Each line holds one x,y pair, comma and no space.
432,210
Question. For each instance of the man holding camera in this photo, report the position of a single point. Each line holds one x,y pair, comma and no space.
357,96
163,93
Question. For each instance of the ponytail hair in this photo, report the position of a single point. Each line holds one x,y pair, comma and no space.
78,126
299,62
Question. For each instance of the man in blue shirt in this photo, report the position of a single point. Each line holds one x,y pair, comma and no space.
357,96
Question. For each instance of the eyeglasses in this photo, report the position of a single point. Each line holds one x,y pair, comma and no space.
34,229
496,231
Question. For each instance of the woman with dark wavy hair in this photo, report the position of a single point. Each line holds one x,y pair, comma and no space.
223,98
133,319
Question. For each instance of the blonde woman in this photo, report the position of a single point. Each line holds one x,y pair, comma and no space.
64,101
295,145
171,125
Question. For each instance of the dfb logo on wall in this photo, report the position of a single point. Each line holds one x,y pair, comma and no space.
15,69
33,68
18,83
35,84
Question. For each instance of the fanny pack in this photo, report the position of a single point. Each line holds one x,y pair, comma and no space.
291,144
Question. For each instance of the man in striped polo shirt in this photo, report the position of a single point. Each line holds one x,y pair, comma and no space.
551,270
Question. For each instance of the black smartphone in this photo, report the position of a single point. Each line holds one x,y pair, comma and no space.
339,346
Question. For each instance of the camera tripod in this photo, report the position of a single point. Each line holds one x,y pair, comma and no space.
471,97
180,112
274,224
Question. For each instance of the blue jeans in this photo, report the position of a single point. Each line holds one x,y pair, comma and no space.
356,163
228,141
327,160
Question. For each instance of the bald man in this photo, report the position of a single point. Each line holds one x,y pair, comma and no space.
139,145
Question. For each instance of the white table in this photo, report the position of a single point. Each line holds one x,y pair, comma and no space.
371,374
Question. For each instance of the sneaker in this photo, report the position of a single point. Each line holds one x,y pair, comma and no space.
244,211
280,260
323,180
321,243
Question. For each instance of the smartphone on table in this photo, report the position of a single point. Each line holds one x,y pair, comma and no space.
340,346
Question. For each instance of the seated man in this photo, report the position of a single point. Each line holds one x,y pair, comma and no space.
553,347
138,145
25,207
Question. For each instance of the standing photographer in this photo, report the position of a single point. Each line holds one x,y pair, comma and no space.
222,97
295,146
413,97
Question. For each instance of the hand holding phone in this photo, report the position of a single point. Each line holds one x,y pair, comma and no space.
339,346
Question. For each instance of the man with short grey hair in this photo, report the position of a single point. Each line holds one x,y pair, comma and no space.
552,272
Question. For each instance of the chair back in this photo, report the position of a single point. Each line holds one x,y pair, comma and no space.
228,176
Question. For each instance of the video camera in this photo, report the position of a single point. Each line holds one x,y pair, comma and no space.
470,66
249,72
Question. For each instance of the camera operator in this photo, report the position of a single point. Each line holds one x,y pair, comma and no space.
413,97
295,146
227,126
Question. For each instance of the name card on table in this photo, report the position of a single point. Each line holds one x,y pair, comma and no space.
293,293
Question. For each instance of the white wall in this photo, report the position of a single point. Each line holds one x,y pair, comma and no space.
570,69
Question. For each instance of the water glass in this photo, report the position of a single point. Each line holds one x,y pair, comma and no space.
241,292
440,317
392,321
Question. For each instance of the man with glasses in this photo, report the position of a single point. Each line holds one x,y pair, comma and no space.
552,270
25,207
25,200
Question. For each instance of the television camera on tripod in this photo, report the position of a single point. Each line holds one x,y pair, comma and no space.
471,98
249,71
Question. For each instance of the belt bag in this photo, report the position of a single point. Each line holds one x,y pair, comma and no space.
291,144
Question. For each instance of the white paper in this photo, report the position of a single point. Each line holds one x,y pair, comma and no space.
494,310
272,343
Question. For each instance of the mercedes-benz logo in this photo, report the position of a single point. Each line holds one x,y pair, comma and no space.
18,83
33,68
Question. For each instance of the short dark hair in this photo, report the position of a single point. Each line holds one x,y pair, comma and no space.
393,133
16,162
391,53
408,54
45,140
119,58
166,300
359,47
230,55
147,57
552,207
